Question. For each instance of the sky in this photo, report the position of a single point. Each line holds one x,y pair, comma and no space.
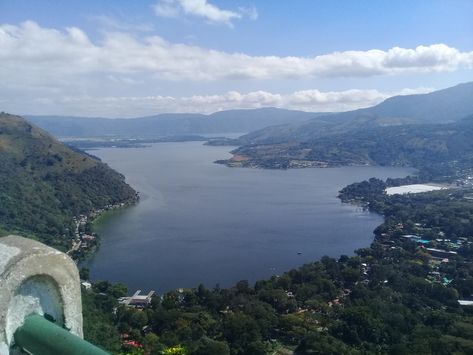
121,58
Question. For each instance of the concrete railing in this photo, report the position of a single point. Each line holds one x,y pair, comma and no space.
36,280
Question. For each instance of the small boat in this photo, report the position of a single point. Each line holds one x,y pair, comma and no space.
299,253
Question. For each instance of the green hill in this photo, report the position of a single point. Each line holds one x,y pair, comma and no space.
436,149
43,183
425,131
438,107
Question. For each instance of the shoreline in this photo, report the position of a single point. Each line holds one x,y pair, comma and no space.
104,217
86,240
243,161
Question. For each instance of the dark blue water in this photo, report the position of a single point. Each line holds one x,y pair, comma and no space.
200,222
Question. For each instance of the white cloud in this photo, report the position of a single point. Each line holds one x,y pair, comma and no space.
249,11
202,9
167,8
53,53
49,69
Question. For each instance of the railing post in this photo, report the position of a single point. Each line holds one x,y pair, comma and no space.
36,279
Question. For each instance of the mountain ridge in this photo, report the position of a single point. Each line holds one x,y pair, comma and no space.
170,124
428,147
442,106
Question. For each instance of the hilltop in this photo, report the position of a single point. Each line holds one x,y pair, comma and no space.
442,106
44,184
413,130
430,146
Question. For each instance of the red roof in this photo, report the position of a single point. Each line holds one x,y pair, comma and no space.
133,343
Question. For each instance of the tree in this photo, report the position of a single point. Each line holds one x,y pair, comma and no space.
84,273
207,346
240,330
323,344
119,290
152,345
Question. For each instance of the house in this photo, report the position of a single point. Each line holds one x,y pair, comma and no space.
137,300
88,237
440,253
87,285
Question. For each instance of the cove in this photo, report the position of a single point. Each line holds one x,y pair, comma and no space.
200,222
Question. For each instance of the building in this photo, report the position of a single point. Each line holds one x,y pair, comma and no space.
137,300
465,303
87,285
440,253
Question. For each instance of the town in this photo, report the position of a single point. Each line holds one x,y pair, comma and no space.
84,240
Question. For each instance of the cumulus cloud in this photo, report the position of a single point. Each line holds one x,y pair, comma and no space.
52,69
202,9
30,48
133,106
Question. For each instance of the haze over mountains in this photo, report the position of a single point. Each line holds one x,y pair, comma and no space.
273,125
170,124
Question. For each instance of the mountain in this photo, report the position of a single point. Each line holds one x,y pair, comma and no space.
443,106
436,149
170,124
44,184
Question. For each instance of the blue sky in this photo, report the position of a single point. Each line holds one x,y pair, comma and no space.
131,58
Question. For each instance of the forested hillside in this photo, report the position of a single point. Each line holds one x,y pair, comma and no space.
438,107
44,184
396,297
429,146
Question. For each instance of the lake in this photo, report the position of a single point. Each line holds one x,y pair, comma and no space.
200,222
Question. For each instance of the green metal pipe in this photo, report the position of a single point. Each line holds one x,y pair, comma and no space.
39,336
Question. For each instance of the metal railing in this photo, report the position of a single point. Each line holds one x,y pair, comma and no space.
40,336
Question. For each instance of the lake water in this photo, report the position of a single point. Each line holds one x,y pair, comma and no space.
199,222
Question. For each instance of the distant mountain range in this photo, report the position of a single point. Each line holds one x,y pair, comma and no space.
43,183
271,125
240,121
402,130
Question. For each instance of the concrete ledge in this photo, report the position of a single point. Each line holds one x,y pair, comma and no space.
35,278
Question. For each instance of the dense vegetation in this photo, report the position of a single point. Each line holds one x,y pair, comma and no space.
398,296
391,298
44,184
437,149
